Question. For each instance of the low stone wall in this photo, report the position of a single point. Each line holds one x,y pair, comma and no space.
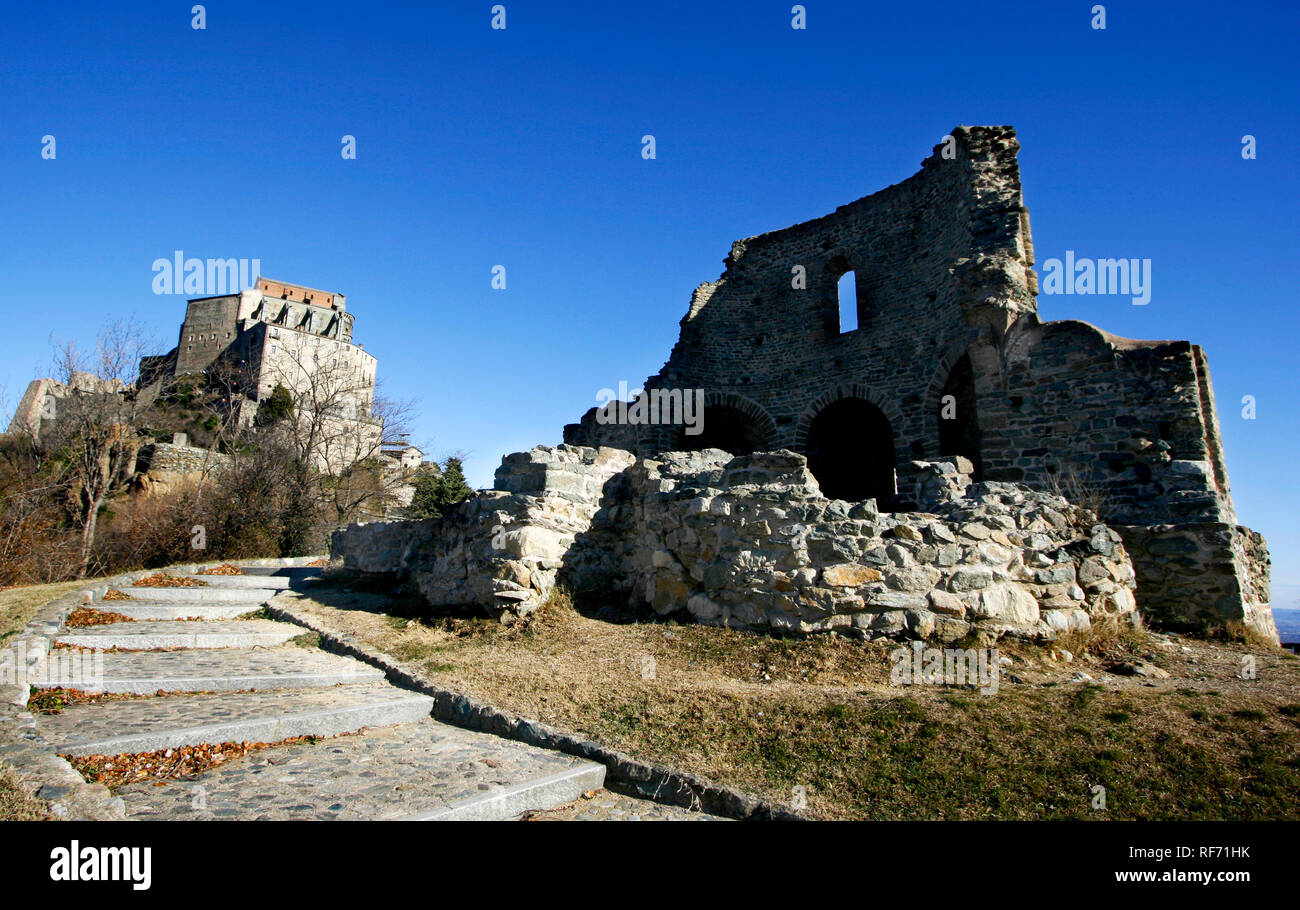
162,465
503,549
750,542
1202,576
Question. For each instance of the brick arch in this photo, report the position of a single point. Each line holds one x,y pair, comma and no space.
763,426
851,437
887,406
938,379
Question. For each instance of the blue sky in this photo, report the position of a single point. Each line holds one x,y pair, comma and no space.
521,147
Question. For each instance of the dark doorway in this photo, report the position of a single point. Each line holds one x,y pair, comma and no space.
959,429
851,451
726,428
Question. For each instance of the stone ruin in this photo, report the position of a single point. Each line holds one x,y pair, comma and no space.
945,464
751,542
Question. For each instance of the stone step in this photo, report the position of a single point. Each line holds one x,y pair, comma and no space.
409,771
174,611
225,670
166,722
252,596
277,582
151,634
294,573
512,801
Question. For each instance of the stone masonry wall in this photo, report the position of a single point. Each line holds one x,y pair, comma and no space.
1202,576
947,307
750,542
932,255
502,550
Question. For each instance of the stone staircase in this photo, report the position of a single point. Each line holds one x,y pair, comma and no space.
224,679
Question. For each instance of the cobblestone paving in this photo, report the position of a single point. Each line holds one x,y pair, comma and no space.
607,806
153,633
233,668
382,774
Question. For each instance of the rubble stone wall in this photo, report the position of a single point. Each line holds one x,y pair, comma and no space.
750,542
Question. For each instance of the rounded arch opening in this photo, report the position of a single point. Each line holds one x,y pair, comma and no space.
850,448
728,428
959,429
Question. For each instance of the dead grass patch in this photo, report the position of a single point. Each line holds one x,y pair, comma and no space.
769,714
16,804
19,605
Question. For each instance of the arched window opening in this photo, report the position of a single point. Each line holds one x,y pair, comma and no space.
959,429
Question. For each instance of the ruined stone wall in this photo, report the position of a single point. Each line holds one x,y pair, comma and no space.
503,549
162,466
1129,424
165,457
1203,576
947,313
750,542
929,254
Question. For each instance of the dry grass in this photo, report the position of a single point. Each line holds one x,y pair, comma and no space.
768,715
16,804
19,605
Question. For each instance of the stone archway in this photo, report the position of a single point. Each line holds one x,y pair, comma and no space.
959,429
731,423
850,449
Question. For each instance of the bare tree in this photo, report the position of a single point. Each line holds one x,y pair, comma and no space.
90,424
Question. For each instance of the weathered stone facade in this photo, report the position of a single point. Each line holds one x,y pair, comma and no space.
949,357
750,542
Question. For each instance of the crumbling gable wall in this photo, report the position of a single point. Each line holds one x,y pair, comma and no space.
948,316
934,256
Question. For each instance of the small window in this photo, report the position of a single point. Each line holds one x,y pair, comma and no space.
848,297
